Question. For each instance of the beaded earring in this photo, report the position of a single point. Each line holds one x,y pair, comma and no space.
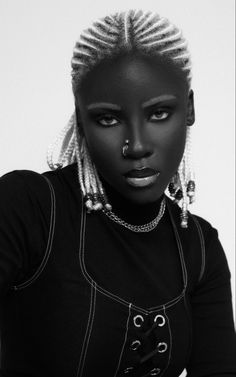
182,184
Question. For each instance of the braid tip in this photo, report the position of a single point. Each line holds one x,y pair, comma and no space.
108,207
89,205
97,206
184,224
184,219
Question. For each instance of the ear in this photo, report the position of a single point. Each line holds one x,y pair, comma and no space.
190,109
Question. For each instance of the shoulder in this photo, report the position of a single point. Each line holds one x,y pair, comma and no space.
204,250
195,223
65,183
21,186
17,181
25,198
27,187
25,215
16,177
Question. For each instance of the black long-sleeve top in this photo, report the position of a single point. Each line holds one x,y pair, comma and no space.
81,295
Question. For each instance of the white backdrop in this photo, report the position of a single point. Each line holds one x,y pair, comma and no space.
37,38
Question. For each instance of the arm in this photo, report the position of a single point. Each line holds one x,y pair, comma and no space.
214,342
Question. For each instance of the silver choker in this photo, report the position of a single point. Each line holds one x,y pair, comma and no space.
138,228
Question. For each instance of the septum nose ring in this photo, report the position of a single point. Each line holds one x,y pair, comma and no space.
125,147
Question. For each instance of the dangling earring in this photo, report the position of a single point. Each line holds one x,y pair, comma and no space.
182,185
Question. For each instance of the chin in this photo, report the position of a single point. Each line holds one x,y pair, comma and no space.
143,196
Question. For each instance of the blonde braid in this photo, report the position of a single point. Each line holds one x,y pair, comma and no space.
182,185
78,153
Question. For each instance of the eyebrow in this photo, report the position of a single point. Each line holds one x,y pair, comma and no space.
152,101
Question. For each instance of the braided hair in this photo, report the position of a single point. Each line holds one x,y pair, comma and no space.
122,32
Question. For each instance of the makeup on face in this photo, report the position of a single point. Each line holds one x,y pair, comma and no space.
150,102
162,105
149,110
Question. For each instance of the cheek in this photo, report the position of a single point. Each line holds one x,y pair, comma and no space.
175,141
105,147
171,145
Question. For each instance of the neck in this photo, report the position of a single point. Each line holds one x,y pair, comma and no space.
129,211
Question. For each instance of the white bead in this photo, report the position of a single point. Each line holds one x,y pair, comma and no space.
97,206
89,204
108,206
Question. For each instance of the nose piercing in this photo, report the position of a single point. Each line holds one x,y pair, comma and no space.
125,147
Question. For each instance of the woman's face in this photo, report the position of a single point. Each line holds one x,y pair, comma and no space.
145,101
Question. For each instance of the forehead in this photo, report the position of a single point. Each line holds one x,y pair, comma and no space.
132,76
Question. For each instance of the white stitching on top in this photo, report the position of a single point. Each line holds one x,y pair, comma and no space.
117,298
122,349
83,268
181,254
88,330
203,250
168,304
190,327
170,348
49,243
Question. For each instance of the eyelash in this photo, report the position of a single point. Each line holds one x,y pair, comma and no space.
112,117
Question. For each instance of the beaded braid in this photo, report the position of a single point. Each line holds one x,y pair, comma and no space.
182,185
132,30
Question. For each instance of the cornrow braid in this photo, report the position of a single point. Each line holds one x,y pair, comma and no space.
141,31
136,30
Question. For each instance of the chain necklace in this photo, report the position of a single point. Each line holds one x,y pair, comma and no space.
138,228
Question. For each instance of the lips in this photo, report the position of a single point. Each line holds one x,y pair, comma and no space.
140,173
141,177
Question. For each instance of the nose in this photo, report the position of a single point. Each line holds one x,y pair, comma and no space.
139,145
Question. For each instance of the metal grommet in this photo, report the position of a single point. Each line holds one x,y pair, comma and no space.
127,370
135,345
138,320
155,372
160,320
162,347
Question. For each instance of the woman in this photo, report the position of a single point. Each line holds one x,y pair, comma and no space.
102,274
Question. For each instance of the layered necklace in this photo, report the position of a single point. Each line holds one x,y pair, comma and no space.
138,228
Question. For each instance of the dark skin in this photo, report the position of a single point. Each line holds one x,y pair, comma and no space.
156,134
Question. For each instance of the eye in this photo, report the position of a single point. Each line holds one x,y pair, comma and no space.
106,119
161,114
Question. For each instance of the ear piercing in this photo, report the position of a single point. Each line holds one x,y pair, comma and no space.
125,147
